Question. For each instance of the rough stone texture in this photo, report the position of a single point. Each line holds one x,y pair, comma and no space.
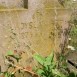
37,29
12,3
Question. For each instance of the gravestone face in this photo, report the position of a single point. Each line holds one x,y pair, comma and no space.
38,29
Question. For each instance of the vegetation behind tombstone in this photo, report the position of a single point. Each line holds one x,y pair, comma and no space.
71,41
71,5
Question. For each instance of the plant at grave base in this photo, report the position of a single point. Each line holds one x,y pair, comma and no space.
6,74
48,66
12,60
62,64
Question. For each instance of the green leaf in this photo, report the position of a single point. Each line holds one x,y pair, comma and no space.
6,75
40,72
39,58
49,59
72,75
10,53
17,57
57,73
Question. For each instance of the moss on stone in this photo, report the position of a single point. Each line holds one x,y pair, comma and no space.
2,7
